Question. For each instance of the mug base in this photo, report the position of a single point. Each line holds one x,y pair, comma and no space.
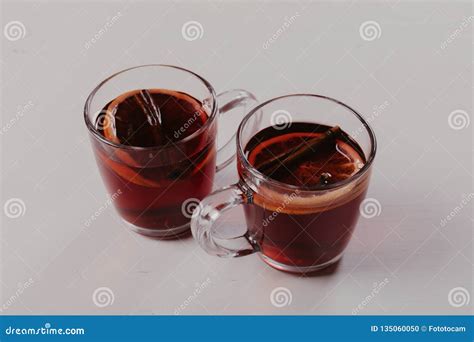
299,269
161,234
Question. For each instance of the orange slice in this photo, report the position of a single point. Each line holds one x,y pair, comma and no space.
127,173
329,164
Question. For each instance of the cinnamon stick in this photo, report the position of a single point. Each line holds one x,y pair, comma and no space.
286,160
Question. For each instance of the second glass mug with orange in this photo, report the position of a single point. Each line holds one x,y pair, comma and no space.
153,130
304,163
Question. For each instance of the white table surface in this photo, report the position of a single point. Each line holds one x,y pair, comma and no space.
423,167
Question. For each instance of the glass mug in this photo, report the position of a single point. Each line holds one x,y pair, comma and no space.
155,188
292,228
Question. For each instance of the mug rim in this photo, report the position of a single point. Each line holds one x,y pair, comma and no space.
99,136
260,176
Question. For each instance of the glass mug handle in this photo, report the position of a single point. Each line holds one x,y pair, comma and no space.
227,101
204,219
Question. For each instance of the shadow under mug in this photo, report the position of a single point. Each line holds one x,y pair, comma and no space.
292,228
155,189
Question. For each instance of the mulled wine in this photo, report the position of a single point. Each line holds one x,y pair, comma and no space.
294,229
164,158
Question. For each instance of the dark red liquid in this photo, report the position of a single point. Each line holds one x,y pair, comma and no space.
306,235
155,182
